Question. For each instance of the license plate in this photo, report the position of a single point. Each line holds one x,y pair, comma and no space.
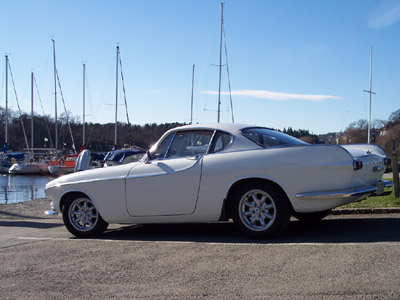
380,188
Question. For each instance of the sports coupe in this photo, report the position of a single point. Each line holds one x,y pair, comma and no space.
256,176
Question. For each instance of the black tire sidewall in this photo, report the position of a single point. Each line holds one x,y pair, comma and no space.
99,228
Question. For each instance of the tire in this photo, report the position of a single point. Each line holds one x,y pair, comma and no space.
82,218
260,210
311,217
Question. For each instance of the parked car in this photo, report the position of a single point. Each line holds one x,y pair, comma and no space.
206,173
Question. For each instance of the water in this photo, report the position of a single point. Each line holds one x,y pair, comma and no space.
21,188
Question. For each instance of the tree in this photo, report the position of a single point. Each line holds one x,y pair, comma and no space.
357,132
394,119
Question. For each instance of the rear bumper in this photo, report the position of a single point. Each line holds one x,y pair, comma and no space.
345,195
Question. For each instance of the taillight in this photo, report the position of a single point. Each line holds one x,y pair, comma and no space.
357,165
387,161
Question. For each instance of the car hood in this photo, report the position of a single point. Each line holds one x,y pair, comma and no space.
120,171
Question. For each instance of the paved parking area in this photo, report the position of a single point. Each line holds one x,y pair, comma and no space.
343,257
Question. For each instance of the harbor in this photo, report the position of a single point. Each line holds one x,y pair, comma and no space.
15,189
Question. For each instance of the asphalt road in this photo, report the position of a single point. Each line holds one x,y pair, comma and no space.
343,257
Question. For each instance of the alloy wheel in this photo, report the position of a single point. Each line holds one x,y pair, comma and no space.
257,210
83,215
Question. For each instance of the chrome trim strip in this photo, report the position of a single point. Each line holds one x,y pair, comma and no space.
169,145
378,168
337,194
354,193
209,144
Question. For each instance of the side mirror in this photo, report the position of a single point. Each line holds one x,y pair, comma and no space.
147,158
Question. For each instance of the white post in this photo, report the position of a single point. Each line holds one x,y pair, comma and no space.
32,111
83,113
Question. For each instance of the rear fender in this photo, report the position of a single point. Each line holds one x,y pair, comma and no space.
356,150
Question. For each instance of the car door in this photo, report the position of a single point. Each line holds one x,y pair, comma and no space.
168,183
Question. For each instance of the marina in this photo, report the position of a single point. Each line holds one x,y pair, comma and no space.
14,188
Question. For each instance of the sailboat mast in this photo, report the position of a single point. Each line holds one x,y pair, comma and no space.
116,102
191,106
55,94
6,128
83,111
220,62
32,111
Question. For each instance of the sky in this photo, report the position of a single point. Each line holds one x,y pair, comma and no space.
300,64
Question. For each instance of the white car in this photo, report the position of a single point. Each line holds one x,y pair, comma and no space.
206,173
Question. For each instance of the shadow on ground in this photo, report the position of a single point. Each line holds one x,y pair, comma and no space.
29,224
350,230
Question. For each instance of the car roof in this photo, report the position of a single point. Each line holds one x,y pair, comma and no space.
229,127
239,142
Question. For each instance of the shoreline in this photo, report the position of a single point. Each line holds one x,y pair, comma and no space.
31,209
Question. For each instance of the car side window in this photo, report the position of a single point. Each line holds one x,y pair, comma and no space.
161,150
190,143
220,141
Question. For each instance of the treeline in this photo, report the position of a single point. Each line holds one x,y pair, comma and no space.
303,134
383,133
100,137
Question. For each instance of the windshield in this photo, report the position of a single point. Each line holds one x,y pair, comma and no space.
182,144
270,138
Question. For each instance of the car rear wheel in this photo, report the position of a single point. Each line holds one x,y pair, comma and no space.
260,210
82,218
311,217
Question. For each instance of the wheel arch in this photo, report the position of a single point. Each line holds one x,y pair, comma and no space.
69,195
227,207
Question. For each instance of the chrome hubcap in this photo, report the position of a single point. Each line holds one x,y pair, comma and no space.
83,215
257,210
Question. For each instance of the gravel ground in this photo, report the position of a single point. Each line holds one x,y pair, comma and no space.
344,257
33,209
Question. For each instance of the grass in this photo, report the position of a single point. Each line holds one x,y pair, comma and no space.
376,201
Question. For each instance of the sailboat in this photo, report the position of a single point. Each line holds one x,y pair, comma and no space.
4,166
125,155
32,167
114,157
65,164
8,158
222,45
86,159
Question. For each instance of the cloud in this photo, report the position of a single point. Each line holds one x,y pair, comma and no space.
384,15
277,96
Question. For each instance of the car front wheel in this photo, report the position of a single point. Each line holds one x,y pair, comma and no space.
82,218
260,210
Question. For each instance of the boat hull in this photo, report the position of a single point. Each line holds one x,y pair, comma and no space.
29,169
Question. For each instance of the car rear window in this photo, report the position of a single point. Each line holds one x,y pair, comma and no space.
269,138
221,141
